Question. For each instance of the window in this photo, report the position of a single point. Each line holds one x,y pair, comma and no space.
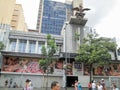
32,47
22,46
12,45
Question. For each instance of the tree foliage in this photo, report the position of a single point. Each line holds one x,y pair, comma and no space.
96,50
1,45
48,52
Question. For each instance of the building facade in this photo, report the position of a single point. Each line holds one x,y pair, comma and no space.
12,14
51,16
20,61
20,58
22,53
6,9
18,20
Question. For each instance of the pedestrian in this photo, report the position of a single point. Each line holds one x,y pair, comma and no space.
55,85
30,85
27,85
10,82
79,86
6,83
115,87
76,85
99,86
103,84
93,85
89,86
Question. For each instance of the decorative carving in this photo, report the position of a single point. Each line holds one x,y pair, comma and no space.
80,11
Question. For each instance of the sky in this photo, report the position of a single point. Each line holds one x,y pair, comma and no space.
104,16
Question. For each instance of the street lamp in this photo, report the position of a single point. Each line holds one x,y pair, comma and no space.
65,65
0,76
21,79
65,75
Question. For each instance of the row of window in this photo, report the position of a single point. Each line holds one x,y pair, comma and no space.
22,46
48,27
29,48
55,21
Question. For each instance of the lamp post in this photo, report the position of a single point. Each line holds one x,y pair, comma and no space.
65,65
21,79
0,78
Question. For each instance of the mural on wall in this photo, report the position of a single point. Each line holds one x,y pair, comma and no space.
59,64
86,69
111,70
69,69
26,65
31,65
60,70
106,70
59,67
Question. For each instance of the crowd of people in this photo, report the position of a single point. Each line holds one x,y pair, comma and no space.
94,85
10,84
100,85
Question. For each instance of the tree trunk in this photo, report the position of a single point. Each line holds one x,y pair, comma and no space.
91,72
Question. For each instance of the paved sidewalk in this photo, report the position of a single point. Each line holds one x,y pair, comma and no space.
71,88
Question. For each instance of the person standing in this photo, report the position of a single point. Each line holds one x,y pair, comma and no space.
30,85
115,87
27,85
6,83
10,82
89,86
103,84
76,85
79,86
93,85
55,85
99,86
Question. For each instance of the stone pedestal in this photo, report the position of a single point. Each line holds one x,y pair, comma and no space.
78,20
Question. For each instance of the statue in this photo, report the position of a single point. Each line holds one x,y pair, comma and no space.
80,11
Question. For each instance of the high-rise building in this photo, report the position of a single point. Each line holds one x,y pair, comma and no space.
6,11
12,15
51,16
18,20
76,3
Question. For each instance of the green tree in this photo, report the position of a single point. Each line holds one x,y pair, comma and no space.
95,50
48,52
1,46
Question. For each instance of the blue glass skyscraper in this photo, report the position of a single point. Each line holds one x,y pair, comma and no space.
51,16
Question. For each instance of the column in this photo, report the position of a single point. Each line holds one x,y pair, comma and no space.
27,47
36,47
81,34
17,46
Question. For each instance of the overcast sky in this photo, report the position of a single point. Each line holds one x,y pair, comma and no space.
104,15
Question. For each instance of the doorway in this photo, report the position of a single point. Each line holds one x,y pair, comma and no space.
71,80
